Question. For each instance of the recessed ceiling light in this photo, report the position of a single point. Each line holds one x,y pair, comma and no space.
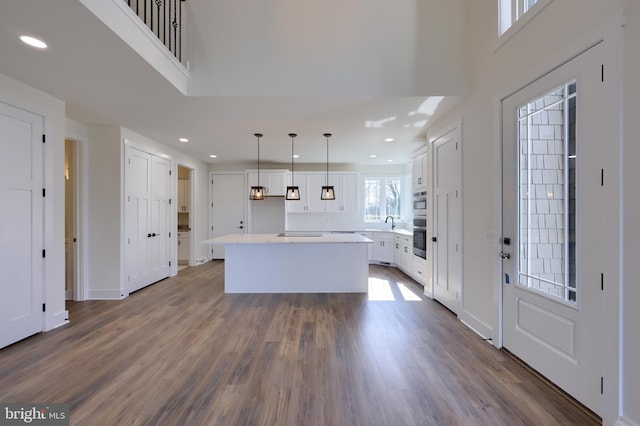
183,140
389,161
213,156
372,156
388,140
34,42
296,156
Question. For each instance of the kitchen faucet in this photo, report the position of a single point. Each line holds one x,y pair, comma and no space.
393,224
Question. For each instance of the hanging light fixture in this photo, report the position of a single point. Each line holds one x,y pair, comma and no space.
293,193
258,192
328,192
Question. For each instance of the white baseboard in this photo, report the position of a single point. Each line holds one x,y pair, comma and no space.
482,329
623,421
105,295
56,320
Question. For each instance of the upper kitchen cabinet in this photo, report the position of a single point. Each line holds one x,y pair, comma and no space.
273,180
311,184
183,195
420,171
346,188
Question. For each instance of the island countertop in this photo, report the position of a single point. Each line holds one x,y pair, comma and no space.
314,238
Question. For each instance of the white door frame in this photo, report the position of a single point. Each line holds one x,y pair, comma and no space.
191,260
80,219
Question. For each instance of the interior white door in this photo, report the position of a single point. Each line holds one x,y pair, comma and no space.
447,263
160,224
552,148
137,214
147,193
21,227
229,194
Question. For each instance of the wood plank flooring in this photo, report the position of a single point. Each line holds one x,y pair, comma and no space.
181,352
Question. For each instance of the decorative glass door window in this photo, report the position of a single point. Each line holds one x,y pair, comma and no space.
547,193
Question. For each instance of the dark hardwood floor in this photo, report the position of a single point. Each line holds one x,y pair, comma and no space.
181,352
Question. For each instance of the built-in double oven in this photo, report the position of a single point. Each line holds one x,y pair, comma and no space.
420,224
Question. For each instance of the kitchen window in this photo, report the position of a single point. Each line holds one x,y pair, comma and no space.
384,196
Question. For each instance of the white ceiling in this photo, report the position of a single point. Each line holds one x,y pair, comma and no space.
364,70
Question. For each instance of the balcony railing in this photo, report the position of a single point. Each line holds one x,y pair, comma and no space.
166,19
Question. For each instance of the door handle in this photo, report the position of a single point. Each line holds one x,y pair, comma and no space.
240,227
505,255
434,239
148,235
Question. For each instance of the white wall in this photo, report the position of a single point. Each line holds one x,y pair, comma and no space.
51,109
631,234
104,218
561,30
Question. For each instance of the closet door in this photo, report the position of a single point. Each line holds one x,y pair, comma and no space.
160,195
147,190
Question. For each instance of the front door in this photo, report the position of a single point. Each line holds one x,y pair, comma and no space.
21,228
552,222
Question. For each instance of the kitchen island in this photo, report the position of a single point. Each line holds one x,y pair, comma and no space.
300,263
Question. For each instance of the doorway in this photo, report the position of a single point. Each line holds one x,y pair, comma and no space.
552,226
185,217
71,185
228,206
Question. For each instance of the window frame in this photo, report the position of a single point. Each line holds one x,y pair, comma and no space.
508,9
404,197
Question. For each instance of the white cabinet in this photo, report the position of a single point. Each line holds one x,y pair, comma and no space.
183,247
420,270
419,171
383,247
311,184
274,181
403,253
183,195
346,189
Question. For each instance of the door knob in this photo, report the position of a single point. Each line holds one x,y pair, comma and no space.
505,255
148,235
240,227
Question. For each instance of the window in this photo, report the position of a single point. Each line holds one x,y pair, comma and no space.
512,11
547,193
382,198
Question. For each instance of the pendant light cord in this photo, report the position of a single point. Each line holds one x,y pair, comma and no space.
327,135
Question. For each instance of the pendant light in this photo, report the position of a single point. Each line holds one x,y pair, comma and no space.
328,192
258,192
293,193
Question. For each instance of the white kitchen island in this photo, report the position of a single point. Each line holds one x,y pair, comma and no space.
304,263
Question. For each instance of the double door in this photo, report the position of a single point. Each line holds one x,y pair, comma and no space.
147,197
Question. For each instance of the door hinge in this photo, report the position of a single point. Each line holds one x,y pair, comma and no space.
44,253
169,172
44,307
601,385
601,177
44,192
44,139
169,201
602,281
169,263
169,234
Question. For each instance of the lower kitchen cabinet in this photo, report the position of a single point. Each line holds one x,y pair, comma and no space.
183,248
383,247
403,253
